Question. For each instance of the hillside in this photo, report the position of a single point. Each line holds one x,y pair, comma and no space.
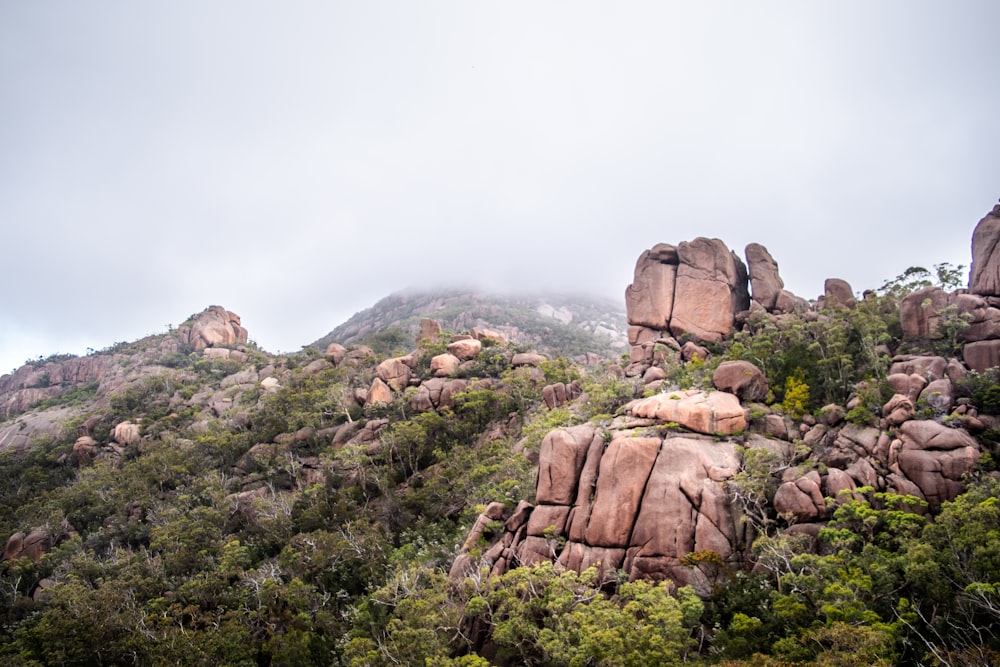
555,325
752,479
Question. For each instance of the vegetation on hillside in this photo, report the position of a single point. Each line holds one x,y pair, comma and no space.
300,528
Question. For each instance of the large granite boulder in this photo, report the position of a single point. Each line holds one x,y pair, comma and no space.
711,288
649,299
708,413
765,283
213,326
741,378
984,275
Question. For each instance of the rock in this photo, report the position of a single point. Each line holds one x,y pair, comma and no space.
690,350
711,287
443,365
714,412
927,367
984,275
684,507
741,378
429,329
84,450
982,317
270,384
560,461
982,355
649,299
481,334
938,395
126,433
395,373
335,353
466,348
527,359
379,393
837,291
34,545
765,282
800,501
831,414
653,374
920,312
936,458
213,327
897,410
437,393
907,385
624,470
215,353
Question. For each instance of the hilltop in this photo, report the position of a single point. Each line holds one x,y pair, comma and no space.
557,325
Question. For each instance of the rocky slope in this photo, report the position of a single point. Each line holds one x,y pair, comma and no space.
554,325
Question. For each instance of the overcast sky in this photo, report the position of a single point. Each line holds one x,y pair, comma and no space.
297,161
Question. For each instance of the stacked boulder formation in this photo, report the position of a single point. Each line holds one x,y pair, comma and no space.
657,493
695,291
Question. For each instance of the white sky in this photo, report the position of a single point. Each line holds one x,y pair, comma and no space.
297,161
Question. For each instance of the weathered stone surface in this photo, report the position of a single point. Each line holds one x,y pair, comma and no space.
935,458
984,275
557,394
625,467
445,364
714,412
982,317
685,506
897,410
579,557
214,326
580,514
335,353
982,355
801,500
84,450
839,485
34,545
711,287
920,312
939,395
560,461
395,373
437,393
837,291
691,350
649,299
126,433
765,282
548,520
907,385
928,367
429,328
379,393
527,359
466,348
741,378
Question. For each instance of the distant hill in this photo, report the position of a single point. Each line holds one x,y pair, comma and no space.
556,325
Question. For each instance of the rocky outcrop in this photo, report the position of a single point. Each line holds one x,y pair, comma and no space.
742,379
709,413
984,275
765,282
214,326
693,289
